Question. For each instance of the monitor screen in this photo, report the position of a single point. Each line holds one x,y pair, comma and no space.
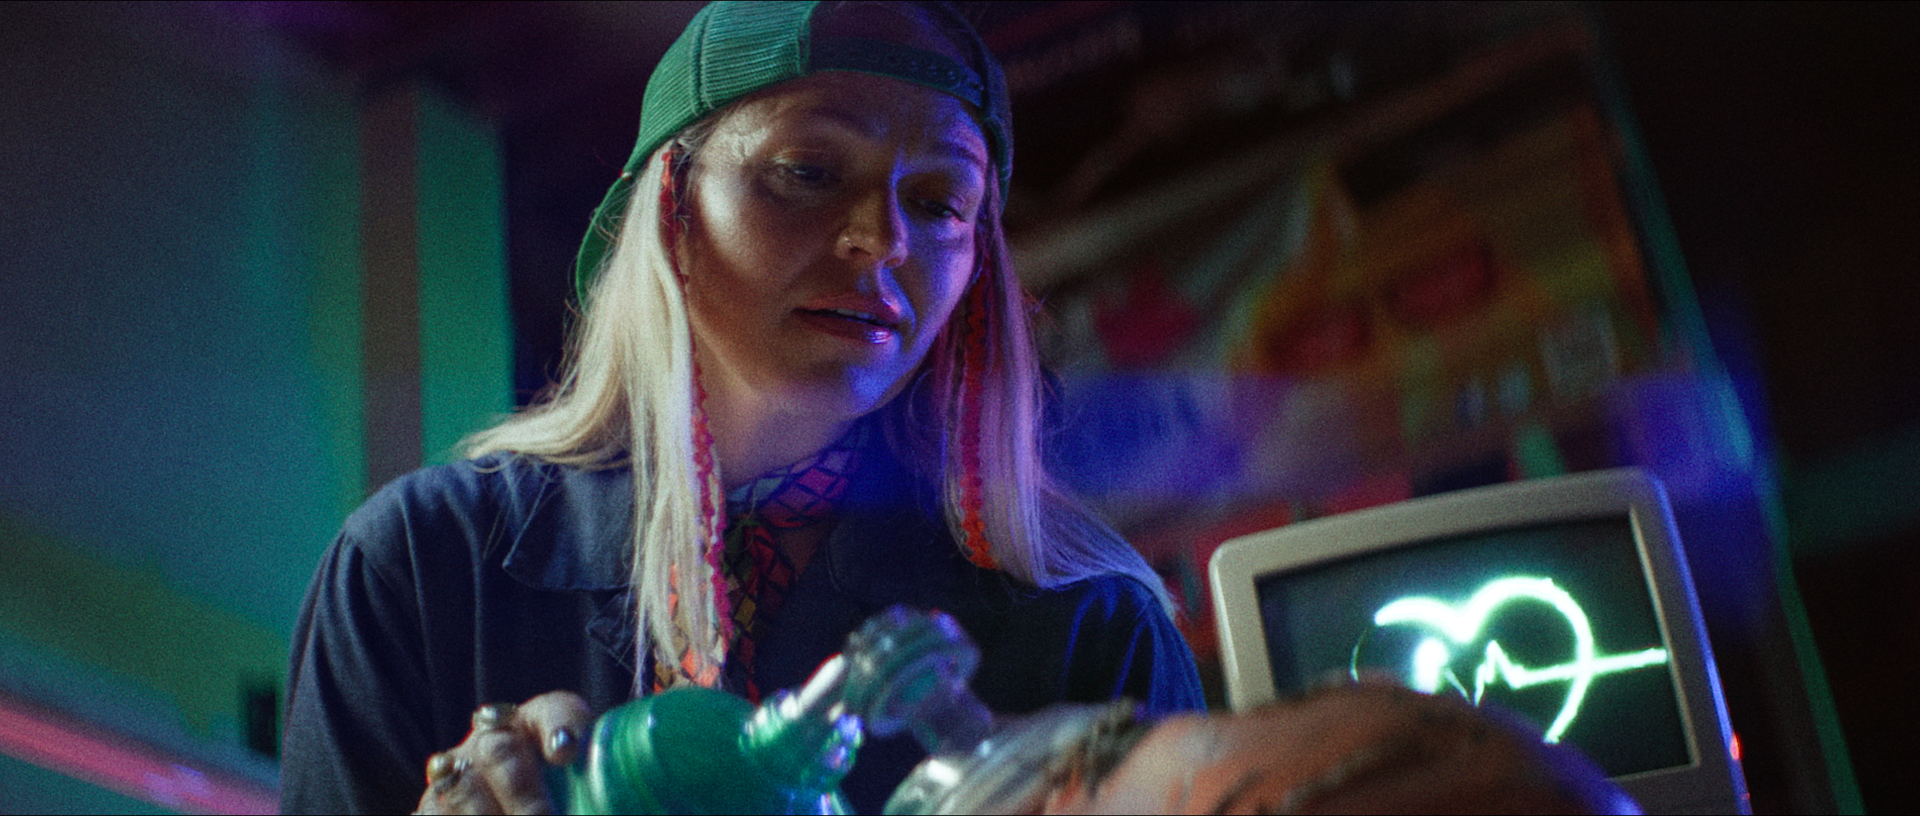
1553,622
1566,601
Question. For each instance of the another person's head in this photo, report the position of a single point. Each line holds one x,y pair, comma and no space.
837,166
1362,748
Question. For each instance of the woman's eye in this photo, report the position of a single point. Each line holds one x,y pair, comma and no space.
940,208
812,175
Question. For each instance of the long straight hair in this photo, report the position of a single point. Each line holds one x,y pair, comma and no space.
969,425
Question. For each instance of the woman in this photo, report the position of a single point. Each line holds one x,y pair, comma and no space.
804,390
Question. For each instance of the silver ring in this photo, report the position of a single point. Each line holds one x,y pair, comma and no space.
492,715
445,768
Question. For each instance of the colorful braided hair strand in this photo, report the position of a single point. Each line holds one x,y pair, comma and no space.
692,666
975,355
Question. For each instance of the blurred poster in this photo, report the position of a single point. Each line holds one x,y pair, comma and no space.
1323,258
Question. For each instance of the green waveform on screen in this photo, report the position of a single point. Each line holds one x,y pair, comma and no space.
1454,627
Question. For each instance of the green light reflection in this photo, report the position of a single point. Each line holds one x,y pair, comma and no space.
1429,667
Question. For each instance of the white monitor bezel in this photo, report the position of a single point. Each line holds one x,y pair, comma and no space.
1712,783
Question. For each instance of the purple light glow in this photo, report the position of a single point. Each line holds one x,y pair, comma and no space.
122,765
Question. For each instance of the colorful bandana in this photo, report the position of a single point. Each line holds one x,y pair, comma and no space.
757,574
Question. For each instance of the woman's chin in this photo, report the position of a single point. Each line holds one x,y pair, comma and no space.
847,392
834,400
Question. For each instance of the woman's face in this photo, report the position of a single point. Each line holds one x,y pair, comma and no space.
832,235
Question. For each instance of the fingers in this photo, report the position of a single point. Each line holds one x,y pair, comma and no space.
452,787
559,722
500,766
510,767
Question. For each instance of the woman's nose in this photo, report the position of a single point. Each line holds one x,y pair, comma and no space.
876,232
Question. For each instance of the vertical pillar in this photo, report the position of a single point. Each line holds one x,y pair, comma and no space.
390,277
465,343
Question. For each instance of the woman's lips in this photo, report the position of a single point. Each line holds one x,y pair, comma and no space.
852,325
856,317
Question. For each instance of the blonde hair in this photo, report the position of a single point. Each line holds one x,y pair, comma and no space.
628,398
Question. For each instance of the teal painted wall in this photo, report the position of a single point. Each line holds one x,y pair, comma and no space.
174,228
466,345
183,349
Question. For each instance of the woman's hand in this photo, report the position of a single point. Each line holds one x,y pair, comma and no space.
500,766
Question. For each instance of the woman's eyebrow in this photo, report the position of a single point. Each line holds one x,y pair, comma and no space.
963,151
869,127
865,126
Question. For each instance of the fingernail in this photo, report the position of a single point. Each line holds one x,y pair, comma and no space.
560,740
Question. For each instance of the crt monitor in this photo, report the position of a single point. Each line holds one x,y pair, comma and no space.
1565,600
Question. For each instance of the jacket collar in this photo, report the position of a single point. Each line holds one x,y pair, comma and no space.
569,530
569,526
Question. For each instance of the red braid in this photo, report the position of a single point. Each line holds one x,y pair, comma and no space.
974,354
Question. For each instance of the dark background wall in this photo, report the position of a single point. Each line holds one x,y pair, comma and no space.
1782,135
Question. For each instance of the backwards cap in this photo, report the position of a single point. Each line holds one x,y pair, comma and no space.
735,47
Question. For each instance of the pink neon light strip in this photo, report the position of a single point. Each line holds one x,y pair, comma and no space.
122,765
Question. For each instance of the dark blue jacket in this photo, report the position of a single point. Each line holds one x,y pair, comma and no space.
498,579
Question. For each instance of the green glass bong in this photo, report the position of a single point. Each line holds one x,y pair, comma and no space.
699,750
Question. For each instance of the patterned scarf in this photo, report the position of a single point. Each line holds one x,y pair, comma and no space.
756,573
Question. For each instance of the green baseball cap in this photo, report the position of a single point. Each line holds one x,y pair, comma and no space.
735,47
